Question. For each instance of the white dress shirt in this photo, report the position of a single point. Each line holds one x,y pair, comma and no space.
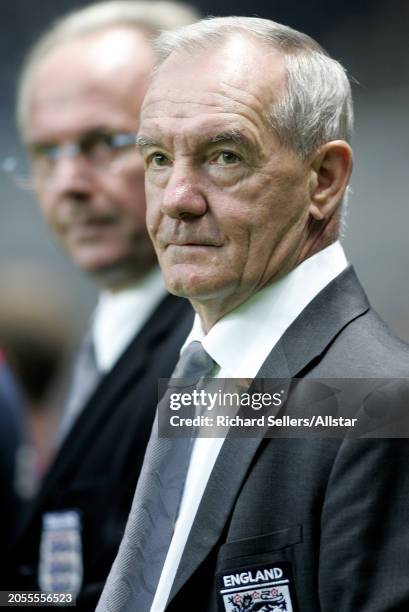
239,343
120,316
117,319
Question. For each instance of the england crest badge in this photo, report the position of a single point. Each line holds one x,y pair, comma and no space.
60,568
265,588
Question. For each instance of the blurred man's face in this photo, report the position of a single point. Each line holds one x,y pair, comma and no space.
228,205
89,91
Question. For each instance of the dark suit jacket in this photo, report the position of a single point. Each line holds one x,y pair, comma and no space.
97,467
329,515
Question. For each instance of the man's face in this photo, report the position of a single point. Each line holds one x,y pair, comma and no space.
228,205
84,90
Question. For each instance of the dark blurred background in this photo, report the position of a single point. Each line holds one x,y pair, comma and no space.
369,37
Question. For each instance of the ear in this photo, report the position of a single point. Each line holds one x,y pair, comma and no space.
330,169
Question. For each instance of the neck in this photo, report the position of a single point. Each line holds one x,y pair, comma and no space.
212,310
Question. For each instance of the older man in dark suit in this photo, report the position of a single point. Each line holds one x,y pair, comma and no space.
245,134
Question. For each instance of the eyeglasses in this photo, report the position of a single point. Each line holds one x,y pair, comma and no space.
107,152
98,148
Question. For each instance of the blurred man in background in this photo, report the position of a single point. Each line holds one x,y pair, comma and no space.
79,98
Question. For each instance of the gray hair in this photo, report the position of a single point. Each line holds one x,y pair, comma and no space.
317,104
149,16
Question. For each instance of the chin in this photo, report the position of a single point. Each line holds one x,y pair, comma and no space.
94,258
108,272
92,263
194,284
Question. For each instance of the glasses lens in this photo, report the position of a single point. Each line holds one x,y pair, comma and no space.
102,152
103,149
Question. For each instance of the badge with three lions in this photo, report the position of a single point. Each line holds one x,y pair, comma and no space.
265,588
60,567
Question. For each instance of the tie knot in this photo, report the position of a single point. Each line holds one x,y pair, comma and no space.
194,363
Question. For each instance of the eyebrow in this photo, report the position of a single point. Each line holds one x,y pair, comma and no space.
143,142
231,136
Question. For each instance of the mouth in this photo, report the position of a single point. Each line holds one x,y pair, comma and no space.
192,244
190,247
203,242
87,229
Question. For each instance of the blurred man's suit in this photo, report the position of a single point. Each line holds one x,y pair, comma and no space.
97,466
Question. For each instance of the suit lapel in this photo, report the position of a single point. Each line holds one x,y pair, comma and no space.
128,368
342,301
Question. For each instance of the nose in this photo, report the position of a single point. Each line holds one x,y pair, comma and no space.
72,176
184,197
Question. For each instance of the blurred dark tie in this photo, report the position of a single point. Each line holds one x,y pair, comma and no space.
135,574
85,379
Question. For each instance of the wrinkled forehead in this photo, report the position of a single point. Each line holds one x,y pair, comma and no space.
239,72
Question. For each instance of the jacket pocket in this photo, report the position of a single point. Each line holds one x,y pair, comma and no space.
261,544
258,572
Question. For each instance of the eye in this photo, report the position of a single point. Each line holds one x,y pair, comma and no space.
91,144
158,160
44,151
226,158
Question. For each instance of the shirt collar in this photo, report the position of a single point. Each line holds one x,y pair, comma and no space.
119,317
241,341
